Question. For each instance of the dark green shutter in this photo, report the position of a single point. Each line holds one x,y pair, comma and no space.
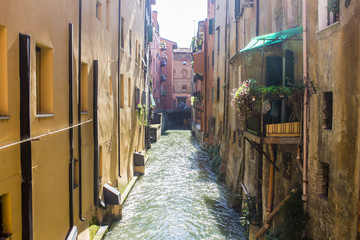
150,33
237,8
211,26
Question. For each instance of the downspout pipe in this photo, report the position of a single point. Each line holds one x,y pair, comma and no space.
271,181
257,17
305,120
225,68
96,133
118,100
97,201
25,132
79,114
205,77
71,130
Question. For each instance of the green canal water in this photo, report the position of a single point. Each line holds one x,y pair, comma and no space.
179,197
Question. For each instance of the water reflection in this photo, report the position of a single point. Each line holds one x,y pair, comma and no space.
178,198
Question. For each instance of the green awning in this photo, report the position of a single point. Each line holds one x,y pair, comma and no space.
153,104
272,38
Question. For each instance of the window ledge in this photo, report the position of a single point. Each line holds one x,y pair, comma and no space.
45,115
4,117
328,31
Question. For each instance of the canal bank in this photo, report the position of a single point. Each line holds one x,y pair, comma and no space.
179,197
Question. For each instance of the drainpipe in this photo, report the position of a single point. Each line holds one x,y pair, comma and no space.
271,182
79,115
25,133
96,132
305,120
257,17
225,68
205,76
118,100
71,130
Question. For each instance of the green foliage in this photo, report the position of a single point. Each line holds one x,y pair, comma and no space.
140,112
216,159
293,221
274,235
249,96
334,6
294,217
248,213
216,163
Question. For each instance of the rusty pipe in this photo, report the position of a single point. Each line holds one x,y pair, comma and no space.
305,78
271,181
272,215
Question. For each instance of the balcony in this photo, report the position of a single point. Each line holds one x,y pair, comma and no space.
277,126
163,62
163,78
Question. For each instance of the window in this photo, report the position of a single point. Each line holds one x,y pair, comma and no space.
3,73
237,8
184,88
136,52
122,91
218,89
137,96
5,216
211,26
98,10
130,33
328,12
212,58
212,94
44,80
129,92
139,54
110,83
76,173
218,40
122,33
322,179
84,88
108,11
100,163
184,73
327,113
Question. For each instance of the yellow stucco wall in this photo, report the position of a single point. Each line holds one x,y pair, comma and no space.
46,22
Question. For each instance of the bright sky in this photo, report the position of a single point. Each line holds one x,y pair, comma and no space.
176,19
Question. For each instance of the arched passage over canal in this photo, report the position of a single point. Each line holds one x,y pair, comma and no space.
179,197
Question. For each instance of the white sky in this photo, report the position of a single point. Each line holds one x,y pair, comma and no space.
176,19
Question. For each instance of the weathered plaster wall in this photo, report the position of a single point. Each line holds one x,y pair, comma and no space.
334,56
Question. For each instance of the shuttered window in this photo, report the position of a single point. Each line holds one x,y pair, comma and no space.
211,26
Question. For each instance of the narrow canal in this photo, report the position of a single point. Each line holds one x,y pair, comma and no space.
179,197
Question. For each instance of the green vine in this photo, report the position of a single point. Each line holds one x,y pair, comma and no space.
334,6
294,219
140,112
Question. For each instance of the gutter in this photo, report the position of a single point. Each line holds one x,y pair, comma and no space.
305,76
118,100
25,132
71,131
